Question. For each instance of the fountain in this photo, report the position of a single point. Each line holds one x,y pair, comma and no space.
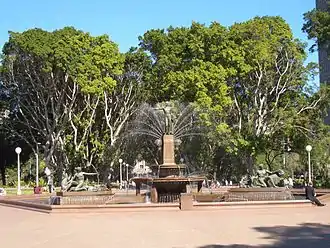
169,179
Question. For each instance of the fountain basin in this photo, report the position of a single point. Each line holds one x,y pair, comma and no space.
121,202
167,170
168,189
81,198
137,207
258,194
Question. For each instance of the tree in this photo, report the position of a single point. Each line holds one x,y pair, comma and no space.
269,84
119,106
184,65
317,26
47,74
248,80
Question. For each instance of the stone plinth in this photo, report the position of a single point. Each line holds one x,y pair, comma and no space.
168,150
186,201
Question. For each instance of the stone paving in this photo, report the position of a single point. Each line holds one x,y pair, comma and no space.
228,228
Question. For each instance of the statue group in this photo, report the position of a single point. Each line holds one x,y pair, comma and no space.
75,182
264,178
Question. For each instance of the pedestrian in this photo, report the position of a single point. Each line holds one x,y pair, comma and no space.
50,183
50,180
311,195
290,183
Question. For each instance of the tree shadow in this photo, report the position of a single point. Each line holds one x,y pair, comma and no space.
306,235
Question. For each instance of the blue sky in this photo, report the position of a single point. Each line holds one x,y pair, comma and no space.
125,20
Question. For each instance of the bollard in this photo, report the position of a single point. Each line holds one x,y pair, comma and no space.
186,201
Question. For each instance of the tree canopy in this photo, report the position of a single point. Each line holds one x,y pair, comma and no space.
77,96
317,26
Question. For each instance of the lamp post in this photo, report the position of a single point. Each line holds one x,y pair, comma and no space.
120,173
309,149
18,150
37,164
127,165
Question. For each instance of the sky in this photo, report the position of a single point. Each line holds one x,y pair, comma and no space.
125,20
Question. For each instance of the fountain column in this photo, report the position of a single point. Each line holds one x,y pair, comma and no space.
168,150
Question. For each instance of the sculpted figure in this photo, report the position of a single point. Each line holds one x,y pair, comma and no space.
65,181
245,182
78,180
275,178
168,120
262,176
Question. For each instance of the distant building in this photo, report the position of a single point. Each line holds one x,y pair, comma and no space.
324,61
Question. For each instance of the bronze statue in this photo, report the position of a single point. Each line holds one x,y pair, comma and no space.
247,181
65,180
262,176
77,182
168,118
275,179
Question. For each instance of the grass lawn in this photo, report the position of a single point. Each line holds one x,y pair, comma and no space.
12,191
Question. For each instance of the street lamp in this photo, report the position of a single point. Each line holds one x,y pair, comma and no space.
309,149
127,165
37,164
123,174
18,150
120,173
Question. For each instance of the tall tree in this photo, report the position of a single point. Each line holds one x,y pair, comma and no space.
48,73
249,80
317,26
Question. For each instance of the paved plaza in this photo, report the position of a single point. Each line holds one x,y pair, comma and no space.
236,227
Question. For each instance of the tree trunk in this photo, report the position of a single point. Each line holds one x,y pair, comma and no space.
3,172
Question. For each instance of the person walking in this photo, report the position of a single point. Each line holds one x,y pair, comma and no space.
311,195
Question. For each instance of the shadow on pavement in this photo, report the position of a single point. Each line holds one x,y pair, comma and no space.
306,235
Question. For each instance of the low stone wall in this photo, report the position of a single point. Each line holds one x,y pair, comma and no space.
81,198
94,198
207,197
258,194
127,199
186,203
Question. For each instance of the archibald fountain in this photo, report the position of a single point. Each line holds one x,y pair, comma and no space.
169,179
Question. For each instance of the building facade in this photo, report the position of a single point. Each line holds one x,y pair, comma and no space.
324,60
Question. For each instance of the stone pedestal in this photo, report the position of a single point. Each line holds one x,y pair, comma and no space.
186,201
168,150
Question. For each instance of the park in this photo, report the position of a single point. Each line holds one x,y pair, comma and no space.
201,135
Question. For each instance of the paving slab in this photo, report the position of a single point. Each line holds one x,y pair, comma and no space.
264,227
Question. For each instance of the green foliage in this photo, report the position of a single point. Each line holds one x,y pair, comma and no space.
89,61
317,26
248,82
56,80
76,93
